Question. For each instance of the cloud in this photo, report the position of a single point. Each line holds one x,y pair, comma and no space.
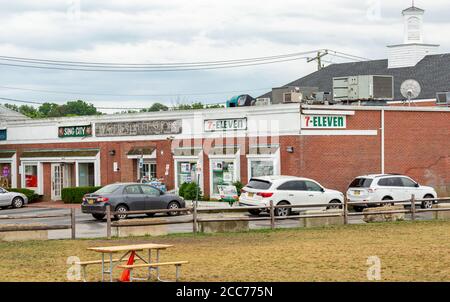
197,30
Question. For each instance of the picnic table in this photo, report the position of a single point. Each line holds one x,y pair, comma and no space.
127,250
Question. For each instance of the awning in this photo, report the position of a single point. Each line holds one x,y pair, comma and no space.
6,154
145,152
224,150
263,150
60,153
186,151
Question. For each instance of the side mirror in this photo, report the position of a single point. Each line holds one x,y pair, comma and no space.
417,185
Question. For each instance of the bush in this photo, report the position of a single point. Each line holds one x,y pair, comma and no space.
239,185
189,191
30,194
75,195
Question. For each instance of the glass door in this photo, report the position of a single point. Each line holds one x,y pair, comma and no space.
57,181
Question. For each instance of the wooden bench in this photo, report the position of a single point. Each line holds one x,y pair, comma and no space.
84,264
156,266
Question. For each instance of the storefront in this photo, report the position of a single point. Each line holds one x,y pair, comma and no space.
144,161
188,163
8,169
224,167
49,171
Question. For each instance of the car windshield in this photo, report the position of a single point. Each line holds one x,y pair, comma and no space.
361,183
107,189
259,184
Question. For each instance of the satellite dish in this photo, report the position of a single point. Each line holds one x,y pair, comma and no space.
410,89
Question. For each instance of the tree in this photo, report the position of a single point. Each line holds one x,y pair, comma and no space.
156,107
49,110
78,108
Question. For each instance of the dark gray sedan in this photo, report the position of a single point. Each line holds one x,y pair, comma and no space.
123,197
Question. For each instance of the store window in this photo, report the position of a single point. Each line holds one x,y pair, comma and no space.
149,170
222,174
31,177
261,168
5,175
86,174
186,172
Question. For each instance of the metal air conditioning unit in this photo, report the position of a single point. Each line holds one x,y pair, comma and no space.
262,102
363,87
443,98
292,94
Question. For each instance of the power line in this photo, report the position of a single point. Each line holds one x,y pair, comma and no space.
131,95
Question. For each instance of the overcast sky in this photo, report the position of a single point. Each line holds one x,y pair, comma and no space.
155,31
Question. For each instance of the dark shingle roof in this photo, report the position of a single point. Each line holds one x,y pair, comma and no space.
432,72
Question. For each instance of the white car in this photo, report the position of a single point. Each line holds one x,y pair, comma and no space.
12,199
378,187
287,190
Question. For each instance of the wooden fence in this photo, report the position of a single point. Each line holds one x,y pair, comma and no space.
344,213
25,227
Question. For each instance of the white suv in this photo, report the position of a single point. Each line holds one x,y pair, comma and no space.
379,187
287,190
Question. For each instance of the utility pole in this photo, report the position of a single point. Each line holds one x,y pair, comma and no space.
318,58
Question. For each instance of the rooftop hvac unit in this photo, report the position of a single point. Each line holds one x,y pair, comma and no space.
292,94
443,98
364,87
292,97
262,102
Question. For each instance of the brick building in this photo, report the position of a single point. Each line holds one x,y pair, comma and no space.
331,144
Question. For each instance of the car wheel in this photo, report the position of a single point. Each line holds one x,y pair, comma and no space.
121,212
358,208
283,212
334,205
428,204
17,202
98,216
387,198
254,212
173,205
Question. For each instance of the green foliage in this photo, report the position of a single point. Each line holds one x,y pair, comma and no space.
30,194
75,195
73,108
189,191
239,185
156,107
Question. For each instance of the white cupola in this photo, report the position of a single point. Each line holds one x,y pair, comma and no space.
413,49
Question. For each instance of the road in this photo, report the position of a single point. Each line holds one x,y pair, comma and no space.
88,227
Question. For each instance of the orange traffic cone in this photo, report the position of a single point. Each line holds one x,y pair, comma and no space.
125,277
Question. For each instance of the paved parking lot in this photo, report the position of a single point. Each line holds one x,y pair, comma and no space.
88,227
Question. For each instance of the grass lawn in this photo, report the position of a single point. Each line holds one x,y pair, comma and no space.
418,251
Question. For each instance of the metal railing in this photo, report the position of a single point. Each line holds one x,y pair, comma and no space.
24,227
343,207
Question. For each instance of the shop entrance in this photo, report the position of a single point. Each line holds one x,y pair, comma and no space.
62,177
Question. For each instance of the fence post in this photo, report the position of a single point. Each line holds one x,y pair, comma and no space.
194,218
272,216
345,210
73,223
413,207
108,221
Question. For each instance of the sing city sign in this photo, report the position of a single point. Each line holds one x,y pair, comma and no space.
226,124
75,131
324,122
159,127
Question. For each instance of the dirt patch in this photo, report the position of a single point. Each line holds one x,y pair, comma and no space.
408,251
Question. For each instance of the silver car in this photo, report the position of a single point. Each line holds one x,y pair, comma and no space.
12,199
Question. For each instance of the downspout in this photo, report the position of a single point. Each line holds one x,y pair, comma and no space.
382,141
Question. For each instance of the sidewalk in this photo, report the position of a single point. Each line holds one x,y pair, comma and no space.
53,205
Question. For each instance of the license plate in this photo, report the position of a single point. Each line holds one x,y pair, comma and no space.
357,193
250,195
91,201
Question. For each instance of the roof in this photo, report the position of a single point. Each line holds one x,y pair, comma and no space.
413,9
11,115
432,72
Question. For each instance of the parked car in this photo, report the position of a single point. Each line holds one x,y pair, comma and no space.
123,197
12,199
394,187
287,190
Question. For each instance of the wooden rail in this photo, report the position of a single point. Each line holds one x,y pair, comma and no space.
342,210
24,227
